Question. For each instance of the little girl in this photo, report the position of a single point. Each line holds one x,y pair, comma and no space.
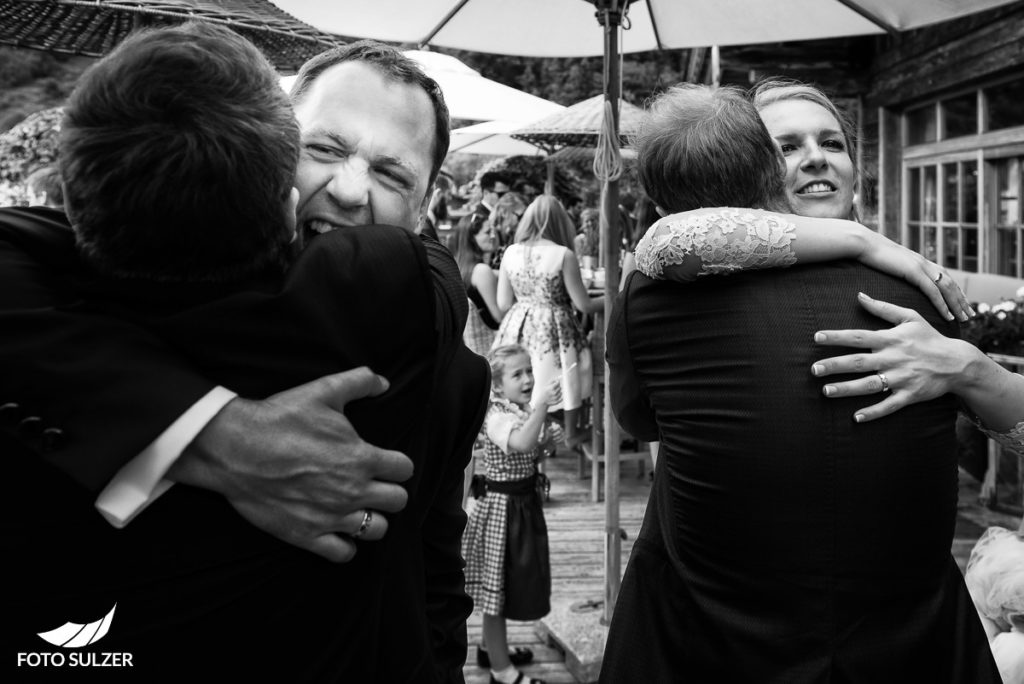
508,573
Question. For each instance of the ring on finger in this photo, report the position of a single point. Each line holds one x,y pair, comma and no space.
364,525
885,382
938,279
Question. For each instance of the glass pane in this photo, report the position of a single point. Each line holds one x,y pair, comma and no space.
950,247
1006,252
1007,185
921,125
960,115
969,171
930,196
929,248
914,200
970,262
1004,108
951,193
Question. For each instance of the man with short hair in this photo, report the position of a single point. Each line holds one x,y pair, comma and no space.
335,621
768,551
493,186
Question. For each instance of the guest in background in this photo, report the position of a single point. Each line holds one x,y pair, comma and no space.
474,244
539,283
493,186
587,243
45,187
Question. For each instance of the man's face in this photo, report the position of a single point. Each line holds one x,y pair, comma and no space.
367,150
492,196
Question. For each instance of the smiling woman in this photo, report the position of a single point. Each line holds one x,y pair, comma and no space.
817,143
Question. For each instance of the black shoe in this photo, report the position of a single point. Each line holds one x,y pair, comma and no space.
519,656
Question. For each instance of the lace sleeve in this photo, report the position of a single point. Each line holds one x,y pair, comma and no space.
718,242
1012,439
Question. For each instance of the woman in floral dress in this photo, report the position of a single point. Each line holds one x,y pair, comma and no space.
539,284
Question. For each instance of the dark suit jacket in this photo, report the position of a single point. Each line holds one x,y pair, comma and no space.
783,542
190,576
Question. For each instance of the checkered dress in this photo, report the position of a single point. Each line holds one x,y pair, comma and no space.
483,543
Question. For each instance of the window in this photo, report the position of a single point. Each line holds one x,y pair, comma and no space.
921,125
1004,105
949,236
960,116
1007,248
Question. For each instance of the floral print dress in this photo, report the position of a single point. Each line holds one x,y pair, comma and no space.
543,321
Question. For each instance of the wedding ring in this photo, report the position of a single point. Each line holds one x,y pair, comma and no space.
938,278
365,525
885,382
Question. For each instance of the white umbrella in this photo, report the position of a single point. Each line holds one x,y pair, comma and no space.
471,96
565,28
491,137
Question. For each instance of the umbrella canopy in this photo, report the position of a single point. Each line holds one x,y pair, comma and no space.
579,125
491,138
565,28
93,28
471,96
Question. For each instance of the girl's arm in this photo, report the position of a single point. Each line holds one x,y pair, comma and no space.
574,286
527,436
505,295
687,245
486,283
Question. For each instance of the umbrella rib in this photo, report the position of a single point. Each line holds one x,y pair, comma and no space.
654,25
448,17
874,19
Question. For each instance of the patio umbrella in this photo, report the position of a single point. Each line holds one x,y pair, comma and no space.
469,95
491,138
93,28
578,125
565,28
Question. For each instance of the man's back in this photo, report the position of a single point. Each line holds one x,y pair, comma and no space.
781,518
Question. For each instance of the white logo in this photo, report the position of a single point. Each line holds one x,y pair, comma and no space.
74,635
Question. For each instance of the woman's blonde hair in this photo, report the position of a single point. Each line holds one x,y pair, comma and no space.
546,218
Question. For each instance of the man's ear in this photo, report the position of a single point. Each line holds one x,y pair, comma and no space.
291,206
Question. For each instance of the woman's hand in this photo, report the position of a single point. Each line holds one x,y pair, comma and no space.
945,294
916,361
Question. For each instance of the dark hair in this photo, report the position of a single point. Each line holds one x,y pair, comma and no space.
646,215
393,65
704,147
178,153
492,178
466,251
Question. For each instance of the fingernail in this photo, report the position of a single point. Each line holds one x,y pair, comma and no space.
829,390
820,337
963,316
859,418
817,369
971,311
863,296
384,381
950,316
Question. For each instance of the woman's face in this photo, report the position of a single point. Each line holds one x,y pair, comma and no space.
819,171
485,238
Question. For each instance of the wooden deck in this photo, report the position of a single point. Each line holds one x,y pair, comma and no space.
576,536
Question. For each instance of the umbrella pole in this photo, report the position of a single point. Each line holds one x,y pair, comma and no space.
609,15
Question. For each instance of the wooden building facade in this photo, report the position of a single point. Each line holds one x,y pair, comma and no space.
940,113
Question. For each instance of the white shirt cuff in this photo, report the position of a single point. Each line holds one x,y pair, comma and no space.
141,481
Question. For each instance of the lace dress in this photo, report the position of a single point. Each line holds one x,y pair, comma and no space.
726,241
542,320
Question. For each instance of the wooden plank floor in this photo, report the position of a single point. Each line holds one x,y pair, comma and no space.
576,536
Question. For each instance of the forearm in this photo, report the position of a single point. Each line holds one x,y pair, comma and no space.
528,435
992,393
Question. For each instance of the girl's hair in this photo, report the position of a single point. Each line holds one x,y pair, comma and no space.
546,218
498,356
772,90
466,251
